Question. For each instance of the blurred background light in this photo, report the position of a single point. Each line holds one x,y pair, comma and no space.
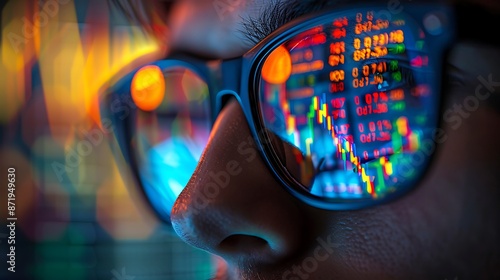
80,213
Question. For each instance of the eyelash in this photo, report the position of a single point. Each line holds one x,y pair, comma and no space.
278,13
255,29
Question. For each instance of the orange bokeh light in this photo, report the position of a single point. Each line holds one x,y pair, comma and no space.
148,88
278,66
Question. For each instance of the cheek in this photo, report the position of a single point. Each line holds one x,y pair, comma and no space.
403,240
390,240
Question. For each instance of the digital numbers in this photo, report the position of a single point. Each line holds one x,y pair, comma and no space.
376,97
369,109
338,105
336,59
337,47
376,153
376,45
372,40
367,53
361,56
337,87
339,114
369,25
371,103
338,102
397,94
374,69
370,69
380,40
361,82
380,126
396,36
337,76
337,51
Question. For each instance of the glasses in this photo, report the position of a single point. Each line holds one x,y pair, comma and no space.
344,106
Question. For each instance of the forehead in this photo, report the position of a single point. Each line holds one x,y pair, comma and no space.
213,28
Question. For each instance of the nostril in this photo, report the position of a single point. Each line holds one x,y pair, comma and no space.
245,248
238,243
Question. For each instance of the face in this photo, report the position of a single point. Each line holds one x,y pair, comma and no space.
447,228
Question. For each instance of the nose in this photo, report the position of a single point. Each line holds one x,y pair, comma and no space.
233,206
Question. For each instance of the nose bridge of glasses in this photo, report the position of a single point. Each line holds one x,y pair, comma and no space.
230,83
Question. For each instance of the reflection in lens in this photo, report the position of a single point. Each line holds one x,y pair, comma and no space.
168,141
278,66
357,104
148,88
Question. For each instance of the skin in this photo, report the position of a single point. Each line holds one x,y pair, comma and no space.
446,228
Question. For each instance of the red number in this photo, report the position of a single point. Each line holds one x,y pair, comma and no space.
338,103
368,99
372,126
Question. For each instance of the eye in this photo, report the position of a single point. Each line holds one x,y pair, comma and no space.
389,74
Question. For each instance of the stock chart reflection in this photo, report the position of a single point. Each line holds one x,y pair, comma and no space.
356,100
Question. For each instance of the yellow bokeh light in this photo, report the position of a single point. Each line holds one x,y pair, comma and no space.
278,66
148,88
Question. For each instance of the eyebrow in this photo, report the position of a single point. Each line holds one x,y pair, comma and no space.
277,13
